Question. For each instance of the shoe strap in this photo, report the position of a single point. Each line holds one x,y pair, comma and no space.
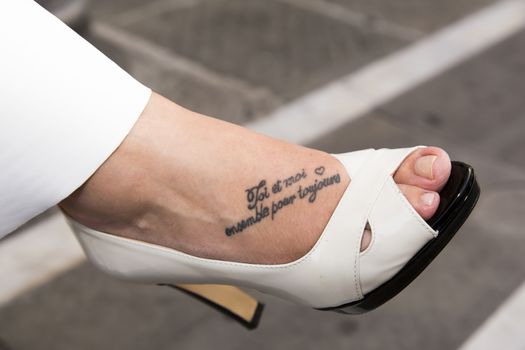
373,197
369,170
398,233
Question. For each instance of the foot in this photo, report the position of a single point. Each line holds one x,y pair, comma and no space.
215,190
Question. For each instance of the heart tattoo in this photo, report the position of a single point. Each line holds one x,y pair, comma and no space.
319,171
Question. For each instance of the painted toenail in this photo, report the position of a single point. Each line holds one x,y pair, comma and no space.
424,165
428,198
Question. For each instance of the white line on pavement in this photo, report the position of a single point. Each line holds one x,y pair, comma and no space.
361,20
504,329
171,61
324,110
38,252
149,9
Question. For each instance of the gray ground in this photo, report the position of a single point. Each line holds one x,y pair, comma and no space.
256,55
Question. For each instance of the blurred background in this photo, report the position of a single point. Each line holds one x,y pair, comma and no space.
367,73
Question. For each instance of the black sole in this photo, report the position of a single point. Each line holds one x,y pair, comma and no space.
458,199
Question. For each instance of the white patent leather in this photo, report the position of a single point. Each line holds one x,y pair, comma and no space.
398,231
332,273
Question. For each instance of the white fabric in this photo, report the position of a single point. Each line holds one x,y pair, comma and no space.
332,273
64,108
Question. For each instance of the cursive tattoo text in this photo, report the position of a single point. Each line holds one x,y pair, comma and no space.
262,201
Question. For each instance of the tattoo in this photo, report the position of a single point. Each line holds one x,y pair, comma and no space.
317,186
281,204
287,182
257,194
261,212
262,205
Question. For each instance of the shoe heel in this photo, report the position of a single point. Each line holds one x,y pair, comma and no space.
229,300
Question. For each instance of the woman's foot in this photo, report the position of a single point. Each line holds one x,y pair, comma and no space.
216,190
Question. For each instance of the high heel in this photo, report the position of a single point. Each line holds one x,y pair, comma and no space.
229,300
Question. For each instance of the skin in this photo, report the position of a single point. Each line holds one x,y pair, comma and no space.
185,180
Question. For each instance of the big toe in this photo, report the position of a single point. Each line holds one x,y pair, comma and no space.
420,177
427,168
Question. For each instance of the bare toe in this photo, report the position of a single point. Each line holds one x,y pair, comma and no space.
424,202
427,168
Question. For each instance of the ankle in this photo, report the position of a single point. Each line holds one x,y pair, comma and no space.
119,195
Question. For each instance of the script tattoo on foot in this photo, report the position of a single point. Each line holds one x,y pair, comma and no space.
265,200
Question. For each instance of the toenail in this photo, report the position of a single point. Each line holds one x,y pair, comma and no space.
424,165
428,198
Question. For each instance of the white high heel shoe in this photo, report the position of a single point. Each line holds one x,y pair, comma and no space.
334,274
